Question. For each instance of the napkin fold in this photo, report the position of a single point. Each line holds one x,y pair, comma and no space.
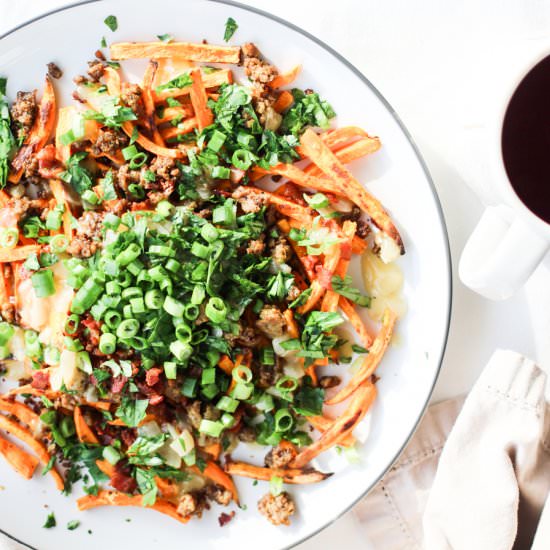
476,474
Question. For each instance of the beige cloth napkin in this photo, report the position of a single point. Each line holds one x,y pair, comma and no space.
476,474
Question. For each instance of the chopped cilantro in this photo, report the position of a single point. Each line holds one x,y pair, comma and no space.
132,411
50,521
344,288
165,38
73,524
112,22
230,28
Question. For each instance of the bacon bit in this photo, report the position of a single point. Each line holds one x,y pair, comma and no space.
324,276
48,165
153,376
123,482
224,518
128,436
94,330
40,380
156,399
118,383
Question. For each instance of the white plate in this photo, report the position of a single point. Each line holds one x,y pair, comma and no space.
396,175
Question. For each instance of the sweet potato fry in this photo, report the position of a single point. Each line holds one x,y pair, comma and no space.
213,472
199,100
291,325
371,361
350,152
292,475
83,431
21,412
322,424
323,280
181,129
22,462
171,113
149,102
209,81
348,308
285,79
331,298
347,185
113,498
151,146
106,467
26,437
19,253
39,134
203,53
342,426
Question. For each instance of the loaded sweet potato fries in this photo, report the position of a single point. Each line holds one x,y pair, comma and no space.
173,264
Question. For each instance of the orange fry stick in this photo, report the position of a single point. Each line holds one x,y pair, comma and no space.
182,128
323,281
291,475
199,100
113,498
39,134
170,113
210,80
21,412
203,53
19,253
331,298
83,431
322,424
149,103
342,426
22,462
350,152
356,322
328,162
286,78
371,361
26,437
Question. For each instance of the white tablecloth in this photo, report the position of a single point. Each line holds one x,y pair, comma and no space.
440,63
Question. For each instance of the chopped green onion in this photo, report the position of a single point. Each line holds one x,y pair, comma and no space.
138,161
127,328
111,455
217,140
216,310
129,152
189,388
181,350
208,376
276,485
227,404
107,343
209,233
6,332
129,254
43,283
59,243
283,420
9,237
221,172
165,209
211,428
71,324
154,299
170,370
242,391
173,307
319,200
198,295
242,159
241,373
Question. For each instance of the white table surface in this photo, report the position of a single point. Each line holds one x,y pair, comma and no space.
440,63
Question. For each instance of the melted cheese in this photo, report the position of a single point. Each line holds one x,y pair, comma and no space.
46,315
384,282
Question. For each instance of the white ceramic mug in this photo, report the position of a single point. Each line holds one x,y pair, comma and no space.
509,241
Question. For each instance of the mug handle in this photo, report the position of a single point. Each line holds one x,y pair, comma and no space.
501,254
